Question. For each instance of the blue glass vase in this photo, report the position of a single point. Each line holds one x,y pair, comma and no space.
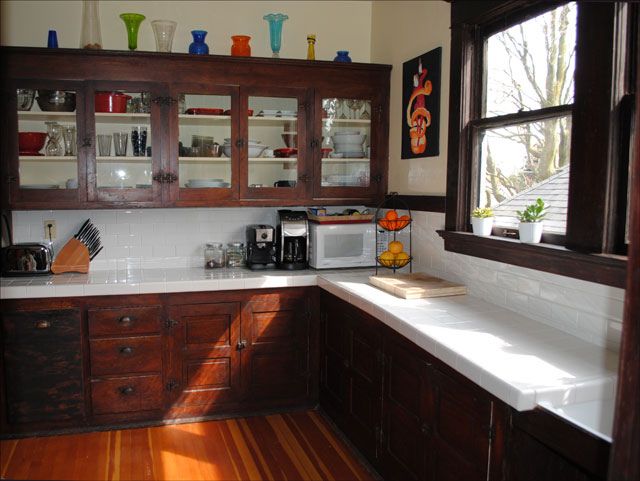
275,31
198,47
343,56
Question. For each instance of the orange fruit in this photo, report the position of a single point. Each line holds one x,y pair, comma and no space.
391,215
395,247
402,257
405,217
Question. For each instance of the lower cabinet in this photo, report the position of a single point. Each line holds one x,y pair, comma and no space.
411,417
114,360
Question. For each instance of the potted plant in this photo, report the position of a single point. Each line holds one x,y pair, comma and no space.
482,221
530,228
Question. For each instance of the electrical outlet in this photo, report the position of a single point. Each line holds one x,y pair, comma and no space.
50,232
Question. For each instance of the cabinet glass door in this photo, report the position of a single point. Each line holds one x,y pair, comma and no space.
126,146
47,142
275,145
207,159
346,143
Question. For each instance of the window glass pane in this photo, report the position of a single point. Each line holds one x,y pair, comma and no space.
520,163
530,65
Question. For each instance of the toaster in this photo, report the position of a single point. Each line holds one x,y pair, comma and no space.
26,259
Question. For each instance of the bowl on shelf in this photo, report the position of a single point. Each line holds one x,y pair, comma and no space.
111,102
325,152
256,150
25,98
56,101
204,111
285,152
290,139
31,143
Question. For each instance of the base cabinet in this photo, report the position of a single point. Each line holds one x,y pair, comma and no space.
116,360
410,416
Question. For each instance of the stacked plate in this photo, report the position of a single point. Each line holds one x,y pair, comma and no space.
277,113
255,148
206,183
349,142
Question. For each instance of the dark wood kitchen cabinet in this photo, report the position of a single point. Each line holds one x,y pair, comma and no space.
411,416
42,358
337,115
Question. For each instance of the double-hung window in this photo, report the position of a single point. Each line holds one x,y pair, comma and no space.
541,101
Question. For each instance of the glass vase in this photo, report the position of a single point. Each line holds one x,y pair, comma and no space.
198,47
240,46
342,56
163,30
275,31
90,36
132,23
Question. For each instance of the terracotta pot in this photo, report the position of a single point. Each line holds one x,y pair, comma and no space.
111,102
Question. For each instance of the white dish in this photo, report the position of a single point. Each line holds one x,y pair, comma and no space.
207,185
347,132
353,155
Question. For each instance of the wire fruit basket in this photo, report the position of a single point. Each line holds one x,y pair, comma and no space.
390,225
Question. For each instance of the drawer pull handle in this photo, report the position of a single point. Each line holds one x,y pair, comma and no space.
425,429
125,320
126,350
43,324
126,390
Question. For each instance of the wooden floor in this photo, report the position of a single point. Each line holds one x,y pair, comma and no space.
295,446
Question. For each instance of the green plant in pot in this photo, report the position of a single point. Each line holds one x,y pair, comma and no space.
530,228
482,221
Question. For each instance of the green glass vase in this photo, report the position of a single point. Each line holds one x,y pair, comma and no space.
132,23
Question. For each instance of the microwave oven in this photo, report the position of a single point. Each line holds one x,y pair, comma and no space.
333,246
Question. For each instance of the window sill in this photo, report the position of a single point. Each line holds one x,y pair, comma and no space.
600,268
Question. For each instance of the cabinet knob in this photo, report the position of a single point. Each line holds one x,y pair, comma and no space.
126,350
86,142
314,143
425,429
43,324
126,390
158,177
240,143
241,345
125,320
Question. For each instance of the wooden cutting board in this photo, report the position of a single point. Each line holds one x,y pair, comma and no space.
417,285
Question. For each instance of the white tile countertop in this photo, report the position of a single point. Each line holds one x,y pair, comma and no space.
520,361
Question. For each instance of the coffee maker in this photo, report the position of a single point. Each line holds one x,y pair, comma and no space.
292,244
261,250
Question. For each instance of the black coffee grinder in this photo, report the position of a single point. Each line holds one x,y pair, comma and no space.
261,250
292,240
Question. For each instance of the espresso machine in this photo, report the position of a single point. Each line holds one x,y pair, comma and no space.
261,249
292,240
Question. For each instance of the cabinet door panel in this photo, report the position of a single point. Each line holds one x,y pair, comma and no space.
403,444
43,365
276,331
206,361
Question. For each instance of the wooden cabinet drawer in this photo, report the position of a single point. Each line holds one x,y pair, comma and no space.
125,355
126,394
124,321
41,328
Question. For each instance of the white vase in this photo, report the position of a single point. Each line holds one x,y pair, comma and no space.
482,225
530,232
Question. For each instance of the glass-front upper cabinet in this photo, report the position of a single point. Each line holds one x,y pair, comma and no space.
207,166
275,144
348,146
126,144
47,167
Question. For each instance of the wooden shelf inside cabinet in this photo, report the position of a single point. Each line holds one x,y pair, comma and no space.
186,119
272,120
272,160
113,159
347,121
348,160
43,116
47,158
204,160
126,118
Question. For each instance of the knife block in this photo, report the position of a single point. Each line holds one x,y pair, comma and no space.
74,257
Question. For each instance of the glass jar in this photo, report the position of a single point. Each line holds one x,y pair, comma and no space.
214,255
235,254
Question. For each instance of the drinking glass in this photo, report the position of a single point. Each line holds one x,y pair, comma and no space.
69,136
139,140
54,147
104,145
163,31
120,140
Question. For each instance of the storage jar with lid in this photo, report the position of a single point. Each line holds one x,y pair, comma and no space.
214,255
235,254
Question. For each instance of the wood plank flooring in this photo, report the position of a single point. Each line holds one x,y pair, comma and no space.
293,446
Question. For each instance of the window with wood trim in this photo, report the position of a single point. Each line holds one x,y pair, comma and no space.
541,105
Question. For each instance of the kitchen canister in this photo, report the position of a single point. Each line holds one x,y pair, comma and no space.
235,254
214,255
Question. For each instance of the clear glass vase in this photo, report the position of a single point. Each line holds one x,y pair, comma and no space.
90,36
275,31
163,31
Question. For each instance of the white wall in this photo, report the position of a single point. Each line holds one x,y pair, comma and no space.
338,25
402,30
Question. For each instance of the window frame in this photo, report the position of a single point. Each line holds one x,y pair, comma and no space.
591,248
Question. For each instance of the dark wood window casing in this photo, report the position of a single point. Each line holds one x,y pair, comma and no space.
606,65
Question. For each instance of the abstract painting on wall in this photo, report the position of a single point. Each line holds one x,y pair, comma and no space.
421,105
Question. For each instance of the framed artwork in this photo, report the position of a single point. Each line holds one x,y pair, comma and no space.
421,105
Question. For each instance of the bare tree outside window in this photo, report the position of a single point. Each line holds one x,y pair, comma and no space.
529,67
